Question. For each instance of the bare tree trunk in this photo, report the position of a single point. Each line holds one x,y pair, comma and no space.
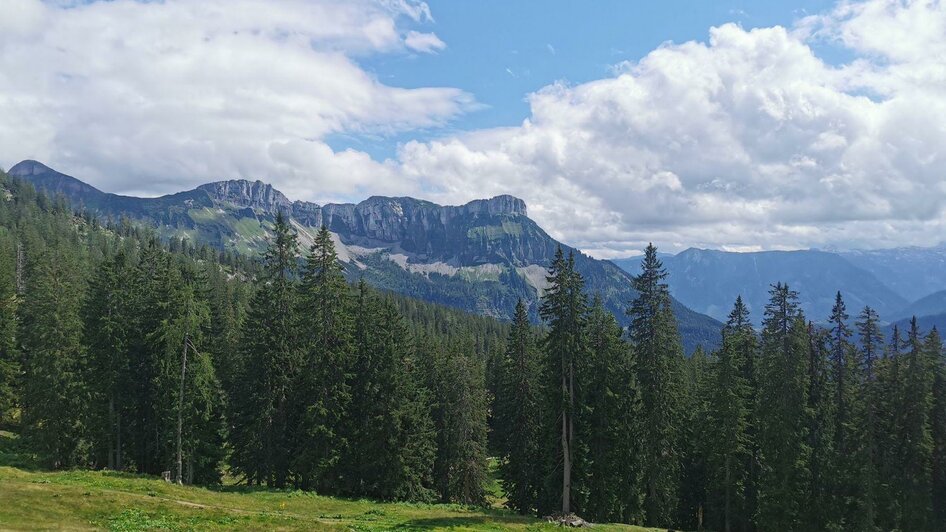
118,447
112,444
567,458
180,414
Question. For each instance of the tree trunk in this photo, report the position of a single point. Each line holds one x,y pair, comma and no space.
112,444
180,415
567,459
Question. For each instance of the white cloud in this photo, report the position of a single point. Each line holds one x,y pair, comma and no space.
748,140
148,97
423,42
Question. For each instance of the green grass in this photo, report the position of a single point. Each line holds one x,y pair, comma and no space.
100,500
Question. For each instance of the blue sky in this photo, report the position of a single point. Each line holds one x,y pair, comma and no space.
500,51
729,125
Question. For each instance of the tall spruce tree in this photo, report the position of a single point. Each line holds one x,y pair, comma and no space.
322,396
389,428
518,415
866,410
610,423
54,395
108,335
782,410
564,308
821,511
9,299
729,407
460,417
915,438
658,352
848,372
262,424
934,348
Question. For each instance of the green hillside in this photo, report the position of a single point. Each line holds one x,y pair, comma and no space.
102,500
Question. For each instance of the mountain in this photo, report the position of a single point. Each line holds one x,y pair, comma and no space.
912,272
932,304
708,281
481,257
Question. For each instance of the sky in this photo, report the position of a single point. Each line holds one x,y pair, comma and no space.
727,125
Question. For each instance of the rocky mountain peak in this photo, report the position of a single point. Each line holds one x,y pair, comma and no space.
245,193
29,167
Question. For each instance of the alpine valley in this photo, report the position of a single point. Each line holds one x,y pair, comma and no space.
480,257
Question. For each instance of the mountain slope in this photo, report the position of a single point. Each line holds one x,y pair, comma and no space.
481,257
708,281
932,304
912,272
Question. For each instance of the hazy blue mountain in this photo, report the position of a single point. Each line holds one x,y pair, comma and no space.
708,281
479,257
932,304
912,272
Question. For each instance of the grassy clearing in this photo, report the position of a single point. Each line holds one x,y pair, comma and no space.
103,500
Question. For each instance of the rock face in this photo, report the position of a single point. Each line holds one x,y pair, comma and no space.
243,193
482,256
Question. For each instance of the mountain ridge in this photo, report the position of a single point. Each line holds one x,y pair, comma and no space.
481,256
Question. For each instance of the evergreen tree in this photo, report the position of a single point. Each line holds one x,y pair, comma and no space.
866,409
108,335
322,395
729,407
391,433
54,396
518,416
783,413
460,418
658,352
262,429
851,452
610,427
889,390
9,358
821,511
564,309
915,438
934,348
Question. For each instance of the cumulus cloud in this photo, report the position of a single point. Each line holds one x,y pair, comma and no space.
747,140
148,97
423,42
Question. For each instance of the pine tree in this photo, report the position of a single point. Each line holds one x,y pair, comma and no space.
934,348
851,454
783,413
518,416
460,418
262,428
54,397
658,352
564,309
889,390
322,395
108,335
9,358
821,511
390,431
867,415
915,438
610,422
729,407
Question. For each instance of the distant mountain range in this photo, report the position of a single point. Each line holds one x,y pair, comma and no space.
481,257
898,283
